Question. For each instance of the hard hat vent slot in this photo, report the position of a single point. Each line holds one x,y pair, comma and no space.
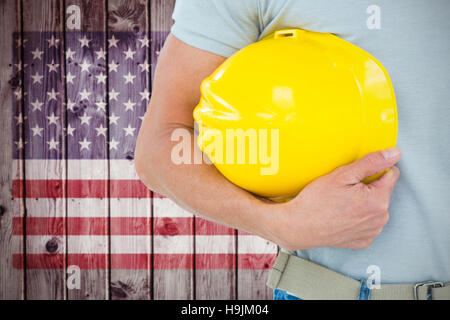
285,35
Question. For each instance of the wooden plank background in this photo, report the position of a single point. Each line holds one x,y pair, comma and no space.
164,221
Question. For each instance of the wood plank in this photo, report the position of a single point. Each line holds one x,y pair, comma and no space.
88,66
251,281
215,283
42,23
174,278
170,282
11,279
128,23
160,23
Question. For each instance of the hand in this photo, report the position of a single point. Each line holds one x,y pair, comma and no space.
338,210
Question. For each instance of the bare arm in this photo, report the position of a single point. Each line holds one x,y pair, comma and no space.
334,210
199,188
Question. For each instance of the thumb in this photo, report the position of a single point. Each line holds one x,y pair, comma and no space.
372,163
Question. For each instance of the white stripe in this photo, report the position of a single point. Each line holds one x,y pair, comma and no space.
130,207
142,244
164,207
254,244
86,169
87,207
120,208
48,208
42,169
79,169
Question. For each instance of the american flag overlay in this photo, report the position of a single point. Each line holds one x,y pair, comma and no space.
75,123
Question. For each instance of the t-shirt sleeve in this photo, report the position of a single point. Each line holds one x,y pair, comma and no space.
218,26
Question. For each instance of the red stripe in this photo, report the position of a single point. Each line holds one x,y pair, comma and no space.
143,261
80,189
164,226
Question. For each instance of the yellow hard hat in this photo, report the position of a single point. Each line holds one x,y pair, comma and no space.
292,107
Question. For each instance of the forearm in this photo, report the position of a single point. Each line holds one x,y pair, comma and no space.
200,188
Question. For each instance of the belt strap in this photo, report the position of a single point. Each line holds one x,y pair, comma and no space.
309,280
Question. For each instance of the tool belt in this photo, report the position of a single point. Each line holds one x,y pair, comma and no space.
308,280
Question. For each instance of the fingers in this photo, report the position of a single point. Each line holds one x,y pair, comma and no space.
386,183
370,164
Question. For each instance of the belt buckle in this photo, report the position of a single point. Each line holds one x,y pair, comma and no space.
432,284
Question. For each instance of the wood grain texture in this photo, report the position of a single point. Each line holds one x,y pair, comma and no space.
169,283
43,19
175,272
128,21
11,279
94,281
251,282
213,283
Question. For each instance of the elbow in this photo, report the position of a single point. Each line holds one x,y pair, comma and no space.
146,166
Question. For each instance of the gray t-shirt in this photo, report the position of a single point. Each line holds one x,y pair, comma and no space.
411,39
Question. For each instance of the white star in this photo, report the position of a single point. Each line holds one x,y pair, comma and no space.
20,143
144,66
85,94
101,105
70,130
113,42
101,131
113,95
37,54
85,119
85,66
52,119
113,144
53,144
101,54
71,105
144,41
129,78
129,105
113,119
145,95
52,95
20,118
84,144
70,77
101,78
37,131
129,54
84,42
19,66
37,78
18,93
70,54
129,131
113,66
53,42
53,66
37,105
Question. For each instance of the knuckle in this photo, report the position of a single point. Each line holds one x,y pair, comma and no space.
383,206
382,219
339,173
367,243
376,233
385,218
363,244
